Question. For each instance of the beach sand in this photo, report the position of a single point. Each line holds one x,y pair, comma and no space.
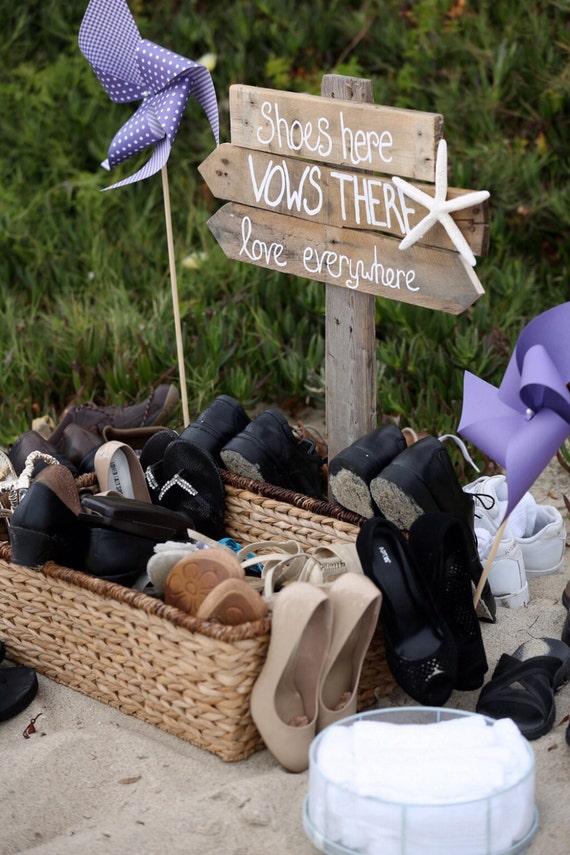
94,780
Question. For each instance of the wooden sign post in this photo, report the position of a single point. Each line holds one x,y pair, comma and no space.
312,189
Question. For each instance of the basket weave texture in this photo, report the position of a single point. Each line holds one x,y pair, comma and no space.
189,677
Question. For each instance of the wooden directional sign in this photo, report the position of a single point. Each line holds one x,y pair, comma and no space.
309,182
354,259
340,190
323,194
363,136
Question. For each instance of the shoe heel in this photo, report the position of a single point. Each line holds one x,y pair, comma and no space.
247,460
31,548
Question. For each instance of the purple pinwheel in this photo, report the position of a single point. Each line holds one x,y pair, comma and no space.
522,424
131,68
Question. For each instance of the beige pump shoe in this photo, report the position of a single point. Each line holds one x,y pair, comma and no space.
284,698
356,602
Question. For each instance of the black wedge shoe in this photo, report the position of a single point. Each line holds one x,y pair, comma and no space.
45,526
268,451
422,479
441,547
420,647
351,470
216,425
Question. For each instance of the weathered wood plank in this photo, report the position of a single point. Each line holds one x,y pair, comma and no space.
355,135
350,329
330,195
355,260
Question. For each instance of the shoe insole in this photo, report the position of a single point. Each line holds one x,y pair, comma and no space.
414,633
296,692
119,475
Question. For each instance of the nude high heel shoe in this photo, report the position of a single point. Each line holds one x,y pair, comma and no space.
356,602
284,699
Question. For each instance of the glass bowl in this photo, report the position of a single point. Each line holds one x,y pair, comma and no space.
371,794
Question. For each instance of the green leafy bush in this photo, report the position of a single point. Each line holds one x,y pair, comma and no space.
84,280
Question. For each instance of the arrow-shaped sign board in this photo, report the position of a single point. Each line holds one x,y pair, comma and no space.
360,260
310,182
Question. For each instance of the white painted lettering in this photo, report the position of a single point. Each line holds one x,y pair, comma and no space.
338,266
405,211
275,185
293,136
259,251
343,178
359,146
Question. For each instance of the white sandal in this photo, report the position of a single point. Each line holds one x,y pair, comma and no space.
286,562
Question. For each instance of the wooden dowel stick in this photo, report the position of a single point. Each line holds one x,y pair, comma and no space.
488,563
175,303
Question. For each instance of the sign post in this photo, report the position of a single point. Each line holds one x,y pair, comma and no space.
314,187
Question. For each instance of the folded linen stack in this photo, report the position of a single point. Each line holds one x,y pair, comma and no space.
462,785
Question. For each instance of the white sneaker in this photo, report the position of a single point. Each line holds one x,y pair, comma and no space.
544,544
507,576
538,529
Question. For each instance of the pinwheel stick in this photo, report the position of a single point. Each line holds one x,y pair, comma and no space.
175,302
489,563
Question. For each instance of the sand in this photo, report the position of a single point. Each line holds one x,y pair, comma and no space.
94,780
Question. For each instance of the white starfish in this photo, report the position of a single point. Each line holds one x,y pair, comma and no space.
439,207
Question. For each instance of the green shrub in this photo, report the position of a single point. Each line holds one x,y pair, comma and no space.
84,277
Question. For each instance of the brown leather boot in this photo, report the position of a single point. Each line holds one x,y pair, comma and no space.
156,409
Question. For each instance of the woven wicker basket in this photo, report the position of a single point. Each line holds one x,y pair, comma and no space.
189,677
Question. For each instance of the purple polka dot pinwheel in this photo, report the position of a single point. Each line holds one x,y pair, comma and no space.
131,68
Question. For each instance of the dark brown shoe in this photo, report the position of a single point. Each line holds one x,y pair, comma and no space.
31,441
156,409
79,446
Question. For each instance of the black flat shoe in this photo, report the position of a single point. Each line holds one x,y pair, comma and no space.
441,546
188,481
151,460
420,648
121,533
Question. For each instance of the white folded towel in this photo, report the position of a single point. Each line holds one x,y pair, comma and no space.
443,787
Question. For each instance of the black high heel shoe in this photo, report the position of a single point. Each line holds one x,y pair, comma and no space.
441,544
420,648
